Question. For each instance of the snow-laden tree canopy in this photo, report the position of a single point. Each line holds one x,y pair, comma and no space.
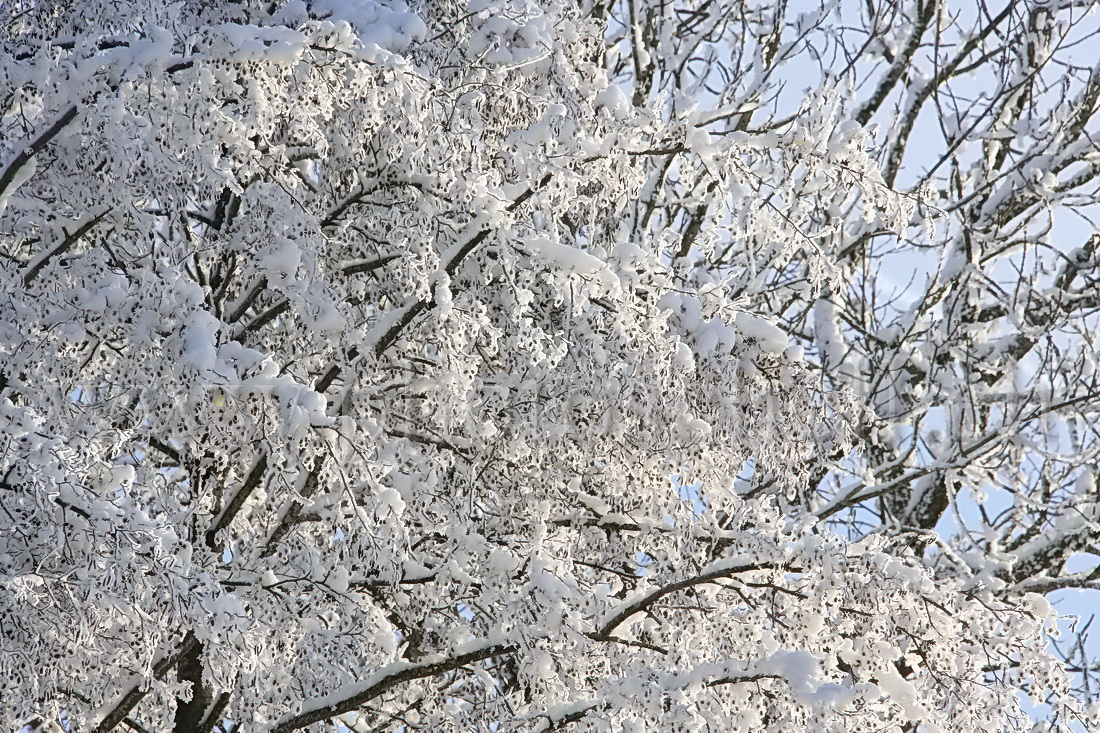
494,366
